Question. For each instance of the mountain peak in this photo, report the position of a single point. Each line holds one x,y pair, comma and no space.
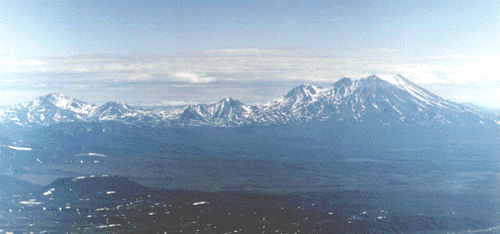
112,110
302,91
55,98
344,81
115,104
60,101
397,80
224,111
307,86
372,77
229,100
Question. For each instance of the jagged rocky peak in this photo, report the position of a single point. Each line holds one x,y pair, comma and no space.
230,108
304,92
231,101
112,111
116,105
228,99
227,109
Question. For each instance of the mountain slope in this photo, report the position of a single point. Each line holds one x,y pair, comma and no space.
13,186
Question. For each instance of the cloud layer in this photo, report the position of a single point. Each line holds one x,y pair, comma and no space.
247,74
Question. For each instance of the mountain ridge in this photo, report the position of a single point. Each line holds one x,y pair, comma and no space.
386,100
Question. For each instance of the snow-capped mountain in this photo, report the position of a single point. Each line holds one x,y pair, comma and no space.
300,103
386,100
47,110
56,108
115,111
226,112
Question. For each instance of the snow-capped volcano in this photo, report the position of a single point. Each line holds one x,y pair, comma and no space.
228,111
373,99
47,110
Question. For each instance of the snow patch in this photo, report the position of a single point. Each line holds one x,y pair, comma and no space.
49,192
30,203
99,155
200,203
389,78
19,148
79,178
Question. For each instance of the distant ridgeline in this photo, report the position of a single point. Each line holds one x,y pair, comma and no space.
371,99
367,111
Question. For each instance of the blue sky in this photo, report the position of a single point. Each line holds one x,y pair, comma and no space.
174,52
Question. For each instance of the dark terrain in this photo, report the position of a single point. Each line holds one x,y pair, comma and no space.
404,187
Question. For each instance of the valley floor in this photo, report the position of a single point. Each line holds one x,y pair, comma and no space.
428,191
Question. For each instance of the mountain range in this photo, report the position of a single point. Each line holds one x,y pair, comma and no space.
382,101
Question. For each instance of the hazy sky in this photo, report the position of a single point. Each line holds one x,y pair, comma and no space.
175,52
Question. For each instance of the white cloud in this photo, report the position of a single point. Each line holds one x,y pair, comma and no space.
206,69
258,65
193,78
177,103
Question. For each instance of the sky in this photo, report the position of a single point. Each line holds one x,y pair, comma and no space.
183,52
